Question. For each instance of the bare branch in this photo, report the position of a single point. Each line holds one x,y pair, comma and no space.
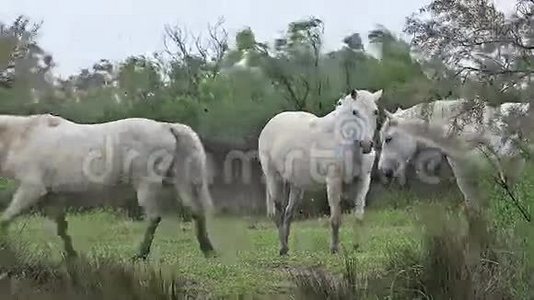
218,39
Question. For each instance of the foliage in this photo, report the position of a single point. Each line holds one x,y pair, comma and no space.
227,93
478,42
448,264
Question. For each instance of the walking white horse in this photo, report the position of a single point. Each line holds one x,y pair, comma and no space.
405,141
300,151
55,159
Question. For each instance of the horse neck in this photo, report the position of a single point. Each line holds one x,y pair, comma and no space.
435,110
435,136
10,121
328,121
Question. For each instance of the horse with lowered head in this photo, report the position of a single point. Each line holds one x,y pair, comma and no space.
457,129
53,159
299,151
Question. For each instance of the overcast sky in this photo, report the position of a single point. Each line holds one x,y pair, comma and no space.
80,32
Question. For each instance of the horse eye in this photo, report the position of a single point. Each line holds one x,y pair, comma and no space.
388,139
354,112
376,112
339,103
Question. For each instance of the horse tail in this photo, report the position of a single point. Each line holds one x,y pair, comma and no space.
190,168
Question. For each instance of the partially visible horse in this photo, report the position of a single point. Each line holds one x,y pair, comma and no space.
53,159
406,137
299,151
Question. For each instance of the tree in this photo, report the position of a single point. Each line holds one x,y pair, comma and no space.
16,40
353,57
248,51
490,52
139,78
478,41
353,41
400,75
193,58
295,67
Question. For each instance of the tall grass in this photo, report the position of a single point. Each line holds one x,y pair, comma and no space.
82,278
453,263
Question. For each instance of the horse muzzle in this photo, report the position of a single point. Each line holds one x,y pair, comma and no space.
366,146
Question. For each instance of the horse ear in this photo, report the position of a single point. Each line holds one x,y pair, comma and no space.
391,117
377,95
398,110
354,94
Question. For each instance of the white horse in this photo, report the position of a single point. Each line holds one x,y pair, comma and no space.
405,141
300,151
55,159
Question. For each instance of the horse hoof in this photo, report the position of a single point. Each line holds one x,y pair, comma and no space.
70,255
271,213
284,251
207,248
334,250
210,254
138,257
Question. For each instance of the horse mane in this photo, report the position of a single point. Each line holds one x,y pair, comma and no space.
438,136
421,109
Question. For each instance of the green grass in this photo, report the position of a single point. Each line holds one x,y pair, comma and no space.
248,263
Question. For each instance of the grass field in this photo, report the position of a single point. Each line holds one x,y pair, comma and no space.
248,262
394,252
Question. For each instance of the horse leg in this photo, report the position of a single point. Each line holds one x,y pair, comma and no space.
274,189
194,196
295,195
270,194
401,174
59,217
25,197
363,184
333,188
147,196
467,181
467,185
514,168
